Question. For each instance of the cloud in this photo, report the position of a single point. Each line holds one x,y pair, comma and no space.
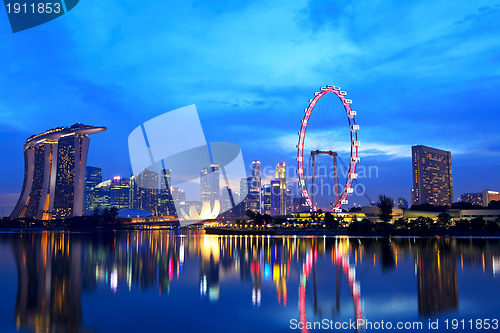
288,143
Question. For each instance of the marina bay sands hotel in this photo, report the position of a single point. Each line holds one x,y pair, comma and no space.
54,173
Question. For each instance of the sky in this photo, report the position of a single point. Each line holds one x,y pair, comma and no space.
418,72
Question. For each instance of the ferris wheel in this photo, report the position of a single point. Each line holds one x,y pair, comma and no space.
327,151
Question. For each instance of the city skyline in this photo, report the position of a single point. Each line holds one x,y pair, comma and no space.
413,81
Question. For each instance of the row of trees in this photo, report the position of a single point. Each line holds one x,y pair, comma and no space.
263,219
423,226
99,219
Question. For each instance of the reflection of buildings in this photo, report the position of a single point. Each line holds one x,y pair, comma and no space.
59,265
437,283
432,179
49,283
209,268
54,173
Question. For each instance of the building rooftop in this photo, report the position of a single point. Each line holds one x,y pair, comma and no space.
55,133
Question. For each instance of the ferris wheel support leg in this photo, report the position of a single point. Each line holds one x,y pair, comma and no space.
314,184
335,178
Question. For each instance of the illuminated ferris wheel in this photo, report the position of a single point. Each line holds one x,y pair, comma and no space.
328,154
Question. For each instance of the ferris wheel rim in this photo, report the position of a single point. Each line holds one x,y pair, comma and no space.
353,129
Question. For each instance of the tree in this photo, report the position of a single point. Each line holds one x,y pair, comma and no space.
259,220
330,221
492,227
494,204
267,218
250,214
385,204
361,228
401,223
444,220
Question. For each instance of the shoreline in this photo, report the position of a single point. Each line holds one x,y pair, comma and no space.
223,231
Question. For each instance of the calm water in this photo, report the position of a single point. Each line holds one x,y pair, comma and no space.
156,281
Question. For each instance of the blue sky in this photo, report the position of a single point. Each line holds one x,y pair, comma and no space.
421,72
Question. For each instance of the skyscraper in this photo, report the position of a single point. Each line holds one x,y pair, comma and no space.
166,204
251,201
281,177
93,177
119,193
266,199
275,198
432,178
145,191
54,173
210,183
258,180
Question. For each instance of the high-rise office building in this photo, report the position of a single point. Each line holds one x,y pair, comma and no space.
119,193
275,198
227,201
144,188
166,204
432,178
54,177
93,177
253,198
266,199
250,185
281,177
210,183
258,180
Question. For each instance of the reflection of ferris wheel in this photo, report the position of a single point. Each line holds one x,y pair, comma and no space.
329,151
342,261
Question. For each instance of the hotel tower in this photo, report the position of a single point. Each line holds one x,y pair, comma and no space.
54,173
432,177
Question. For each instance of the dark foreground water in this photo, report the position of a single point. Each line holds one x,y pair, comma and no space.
156,281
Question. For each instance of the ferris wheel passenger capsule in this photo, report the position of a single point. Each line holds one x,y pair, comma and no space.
348,101
344,202
353,113
350,190
357,143
330,87
343,93
354,176
355,127
324,88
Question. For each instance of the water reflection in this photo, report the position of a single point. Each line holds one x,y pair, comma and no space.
312,278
